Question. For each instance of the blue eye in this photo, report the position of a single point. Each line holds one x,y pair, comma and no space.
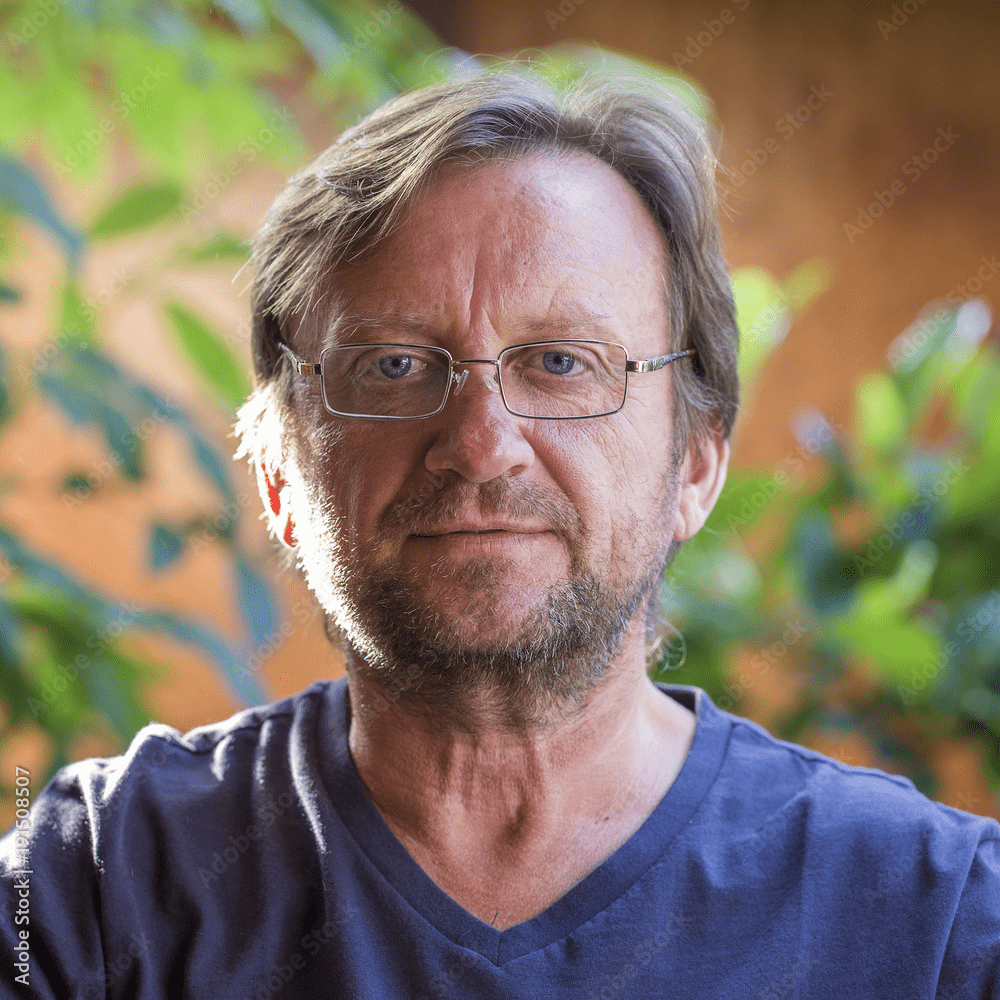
395,366
558,362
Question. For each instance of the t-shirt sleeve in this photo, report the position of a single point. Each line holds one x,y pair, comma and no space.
971,966
50,940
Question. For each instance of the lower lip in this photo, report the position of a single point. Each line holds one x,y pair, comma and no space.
481,540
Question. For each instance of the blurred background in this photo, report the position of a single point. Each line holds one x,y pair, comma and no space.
846,592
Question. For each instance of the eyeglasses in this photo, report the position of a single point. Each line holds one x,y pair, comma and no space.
549,380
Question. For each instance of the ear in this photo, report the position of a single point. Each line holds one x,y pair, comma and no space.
274,493
702,476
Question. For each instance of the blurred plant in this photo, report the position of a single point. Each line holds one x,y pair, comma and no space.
188,92
63,666
886,581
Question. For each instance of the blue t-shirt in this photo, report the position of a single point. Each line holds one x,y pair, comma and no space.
247,860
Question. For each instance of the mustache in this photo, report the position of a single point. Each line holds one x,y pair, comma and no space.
451,498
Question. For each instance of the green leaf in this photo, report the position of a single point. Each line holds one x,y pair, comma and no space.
247,14
879,415
313,30
763,314
235,668
806,282
222,247
22,192
820,565
76,323
897,648
79,405
137,208
125,446
110,682
211,357
745,497
892,597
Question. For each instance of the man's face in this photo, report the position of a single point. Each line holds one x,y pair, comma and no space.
472,544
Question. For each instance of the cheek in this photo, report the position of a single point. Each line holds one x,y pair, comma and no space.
591,463
620,492
365,469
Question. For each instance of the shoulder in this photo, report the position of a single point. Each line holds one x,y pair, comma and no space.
164,769
858,814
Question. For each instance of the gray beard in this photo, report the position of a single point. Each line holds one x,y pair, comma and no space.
555,658
559,657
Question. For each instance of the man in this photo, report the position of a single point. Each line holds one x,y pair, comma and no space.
495,344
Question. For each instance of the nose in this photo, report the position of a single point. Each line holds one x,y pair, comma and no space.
478,438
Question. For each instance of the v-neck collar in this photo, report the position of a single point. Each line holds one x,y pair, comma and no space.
589,897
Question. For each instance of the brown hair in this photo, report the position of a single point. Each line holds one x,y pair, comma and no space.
350,196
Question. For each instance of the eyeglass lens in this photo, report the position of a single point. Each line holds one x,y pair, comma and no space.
553,379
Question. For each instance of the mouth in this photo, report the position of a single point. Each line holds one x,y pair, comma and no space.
499,534
444,531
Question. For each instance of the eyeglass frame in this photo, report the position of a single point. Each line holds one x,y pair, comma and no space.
636,366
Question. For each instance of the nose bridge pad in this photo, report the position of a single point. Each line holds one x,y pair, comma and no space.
492,381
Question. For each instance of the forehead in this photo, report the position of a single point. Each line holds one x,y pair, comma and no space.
544,239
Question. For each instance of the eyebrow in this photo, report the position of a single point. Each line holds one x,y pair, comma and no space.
577,321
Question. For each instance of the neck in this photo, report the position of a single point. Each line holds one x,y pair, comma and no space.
491,788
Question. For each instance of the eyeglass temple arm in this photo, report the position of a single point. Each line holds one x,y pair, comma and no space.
302,367
652,364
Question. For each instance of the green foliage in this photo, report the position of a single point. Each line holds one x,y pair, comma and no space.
189,89
22,192
224,247
210,356
915,599
138,208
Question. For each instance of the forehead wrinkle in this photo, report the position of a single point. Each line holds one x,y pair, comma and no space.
531,239
411,324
